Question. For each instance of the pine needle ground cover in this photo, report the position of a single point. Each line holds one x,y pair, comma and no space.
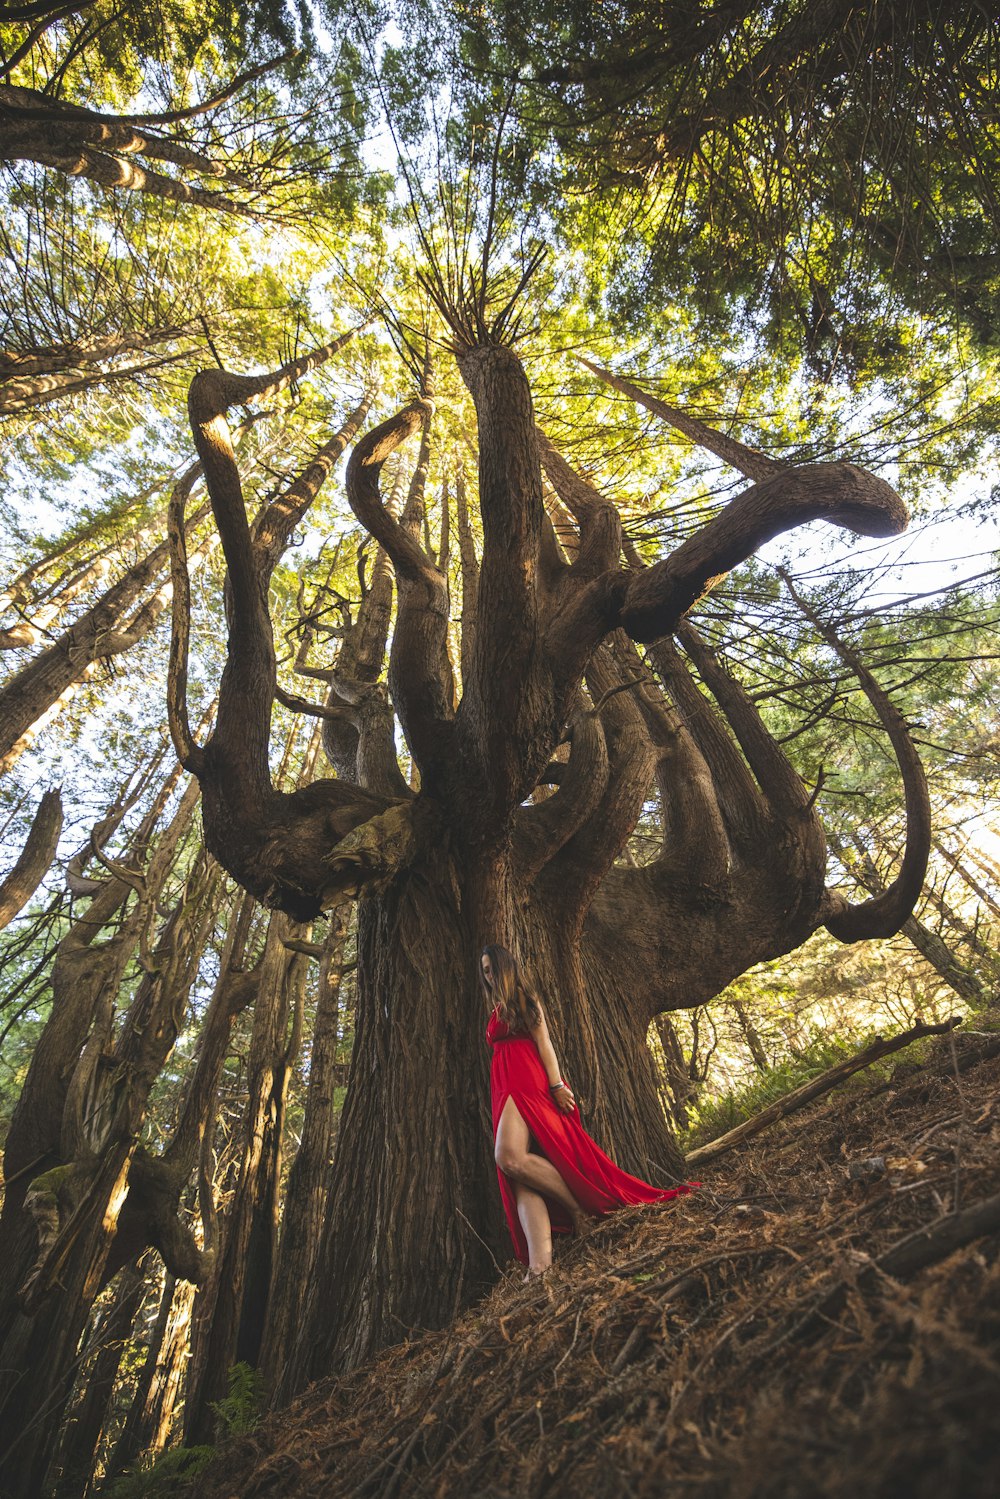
822,1318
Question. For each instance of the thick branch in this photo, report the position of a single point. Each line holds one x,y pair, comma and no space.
37,854
737,793
749,461
541,830
272,531
600,524
574,874
839,493
779,780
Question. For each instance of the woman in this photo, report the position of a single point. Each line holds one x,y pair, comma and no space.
566,1179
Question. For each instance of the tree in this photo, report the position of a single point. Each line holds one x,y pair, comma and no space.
469,857
546,724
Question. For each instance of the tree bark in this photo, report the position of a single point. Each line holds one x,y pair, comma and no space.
73,1466
33,864
308,1181
231,1310
150,1416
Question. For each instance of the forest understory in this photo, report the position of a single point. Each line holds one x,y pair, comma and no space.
821,1318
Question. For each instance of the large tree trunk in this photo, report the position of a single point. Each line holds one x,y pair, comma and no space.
413,1172
478,855
415,1228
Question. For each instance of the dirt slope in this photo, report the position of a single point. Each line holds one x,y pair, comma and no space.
823,1318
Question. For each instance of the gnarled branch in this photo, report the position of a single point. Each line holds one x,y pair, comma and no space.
884,914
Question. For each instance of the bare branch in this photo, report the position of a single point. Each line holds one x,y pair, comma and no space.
749,461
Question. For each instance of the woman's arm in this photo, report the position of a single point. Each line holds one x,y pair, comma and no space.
562,1096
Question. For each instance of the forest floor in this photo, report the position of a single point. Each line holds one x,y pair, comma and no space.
822,1318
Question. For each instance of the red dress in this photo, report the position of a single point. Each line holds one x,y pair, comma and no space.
598,1185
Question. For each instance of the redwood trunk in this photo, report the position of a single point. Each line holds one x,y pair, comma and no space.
415,1229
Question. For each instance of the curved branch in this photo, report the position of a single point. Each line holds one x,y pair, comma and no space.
421,681
884,914
338,714
541,830
211,394
839,493
37,854
600,524
188,752
363,472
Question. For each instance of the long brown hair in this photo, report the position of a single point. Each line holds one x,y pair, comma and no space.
510,991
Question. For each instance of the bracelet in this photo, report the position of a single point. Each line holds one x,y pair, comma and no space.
554,1087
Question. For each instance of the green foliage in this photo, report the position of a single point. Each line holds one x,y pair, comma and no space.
242,1408
716,1115
168,1473
175,1470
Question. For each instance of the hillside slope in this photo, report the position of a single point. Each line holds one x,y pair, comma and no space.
823,1318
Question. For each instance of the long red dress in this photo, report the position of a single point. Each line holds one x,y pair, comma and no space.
598,1185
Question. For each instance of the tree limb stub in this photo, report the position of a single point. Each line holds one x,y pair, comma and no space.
799,1097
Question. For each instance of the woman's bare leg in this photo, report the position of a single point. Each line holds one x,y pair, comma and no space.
533,1216
516,1161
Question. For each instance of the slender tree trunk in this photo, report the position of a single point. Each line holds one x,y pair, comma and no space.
751,1035
72,1469
678,1084
231,1310
65,1230
38,619
150,1416
960,865
41,683
20,396
35,858
308,1181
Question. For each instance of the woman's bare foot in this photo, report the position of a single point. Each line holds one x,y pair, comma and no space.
531,1274
582,1225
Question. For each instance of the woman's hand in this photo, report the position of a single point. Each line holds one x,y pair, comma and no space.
564,1100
